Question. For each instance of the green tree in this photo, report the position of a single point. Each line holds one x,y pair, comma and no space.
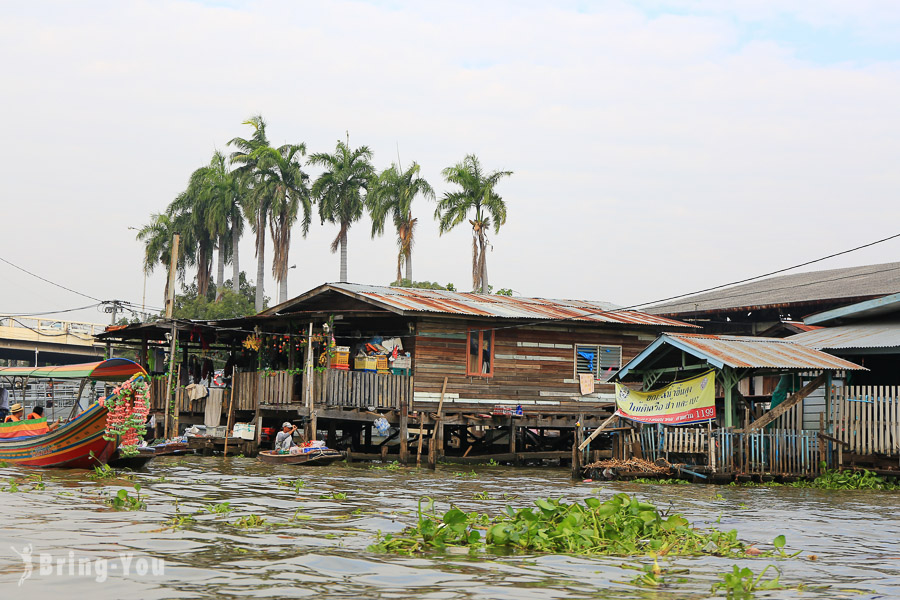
477,197
257,203
157,238
422,285
283,181
190,215
339,190
228,192
392,197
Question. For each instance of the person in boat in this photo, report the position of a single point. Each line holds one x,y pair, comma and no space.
285,438
16,412
38,413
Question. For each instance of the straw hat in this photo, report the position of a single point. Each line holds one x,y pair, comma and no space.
16,408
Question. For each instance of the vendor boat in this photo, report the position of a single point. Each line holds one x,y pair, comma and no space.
314,457
81,442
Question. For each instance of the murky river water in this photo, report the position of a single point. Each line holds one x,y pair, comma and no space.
317,547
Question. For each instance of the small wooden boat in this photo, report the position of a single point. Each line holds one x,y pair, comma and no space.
78,444
315,457
172,449
135,461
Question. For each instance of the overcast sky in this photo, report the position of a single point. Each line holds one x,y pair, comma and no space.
658,147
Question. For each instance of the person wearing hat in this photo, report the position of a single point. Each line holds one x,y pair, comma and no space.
285,438
16,412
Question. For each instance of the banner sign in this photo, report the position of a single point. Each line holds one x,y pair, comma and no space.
680,403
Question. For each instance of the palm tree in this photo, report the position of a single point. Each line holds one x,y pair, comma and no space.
227,192
157,238
257,202
393,196
476,196
338,190
283,181
189,213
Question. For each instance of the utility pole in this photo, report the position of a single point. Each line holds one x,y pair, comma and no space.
170,307
112,307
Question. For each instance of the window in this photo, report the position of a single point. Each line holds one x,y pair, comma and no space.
480,361
602,361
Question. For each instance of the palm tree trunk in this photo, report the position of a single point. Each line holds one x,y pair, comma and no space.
236,268
409,264
260,263
343,255
220,269
482,262
282,290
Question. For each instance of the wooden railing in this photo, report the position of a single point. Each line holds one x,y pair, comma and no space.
361,389
764,452
867,419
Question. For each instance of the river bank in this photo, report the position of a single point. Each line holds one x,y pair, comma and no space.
316,534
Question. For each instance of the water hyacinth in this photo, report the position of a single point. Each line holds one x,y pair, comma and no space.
620,526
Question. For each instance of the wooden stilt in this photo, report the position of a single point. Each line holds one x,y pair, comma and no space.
228,418
436,430
419,445
404,432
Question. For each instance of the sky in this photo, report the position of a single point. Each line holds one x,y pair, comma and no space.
658,147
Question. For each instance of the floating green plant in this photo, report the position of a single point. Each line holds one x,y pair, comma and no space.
620,526
251,522
221,508
125,501
392,466
334,496
483,495
742,583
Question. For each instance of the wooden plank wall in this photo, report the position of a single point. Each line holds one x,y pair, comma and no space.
532,365
867,419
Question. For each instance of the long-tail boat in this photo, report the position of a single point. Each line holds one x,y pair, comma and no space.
79,443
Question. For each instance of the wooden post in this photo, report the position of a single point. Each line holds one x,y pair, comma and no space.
512,439
404,432
436,430
419,446
174,334
577,446
597,431
228,417
308,389
170,307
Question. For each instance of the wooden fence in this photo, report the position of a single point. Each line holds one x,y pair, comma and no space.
769,452
361,389
867,419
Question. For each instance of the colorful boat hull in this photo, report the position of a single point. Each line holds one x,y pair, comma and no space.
78,444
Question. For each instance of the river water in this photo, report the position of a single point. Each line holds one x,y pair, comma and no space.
316,547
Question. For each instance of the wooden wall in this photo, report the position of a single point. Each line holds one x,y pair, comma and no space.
533,365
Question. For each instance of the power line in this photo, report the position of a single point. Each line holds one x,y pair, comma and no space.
48,281
51,312
635,306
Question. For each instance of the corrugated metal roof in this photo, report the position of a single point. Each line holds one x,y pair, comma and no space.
846,337
851,283
415,300
756,352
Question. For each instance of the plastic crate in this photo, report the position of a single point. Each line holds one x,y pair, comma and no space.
381,364
399,371
402,362
365,363
341,359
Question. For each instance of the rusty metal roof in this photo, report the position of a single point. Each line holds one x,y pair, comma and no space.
741,352
756,352
849,337
415,300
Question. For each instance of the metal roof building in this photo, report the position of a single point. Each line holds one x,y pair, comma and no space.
415,301
806,292
737,352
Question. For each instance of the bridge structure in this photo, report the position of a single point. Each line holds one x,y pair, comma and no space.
41,342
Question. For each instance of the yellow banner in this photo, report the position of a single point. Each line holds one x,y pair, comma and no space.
679,403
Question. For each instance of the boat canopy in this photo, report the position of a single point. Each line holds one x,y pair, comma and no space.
113,369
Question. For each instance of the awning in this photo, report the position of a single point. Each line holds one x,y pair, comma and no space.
113,369
737,352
